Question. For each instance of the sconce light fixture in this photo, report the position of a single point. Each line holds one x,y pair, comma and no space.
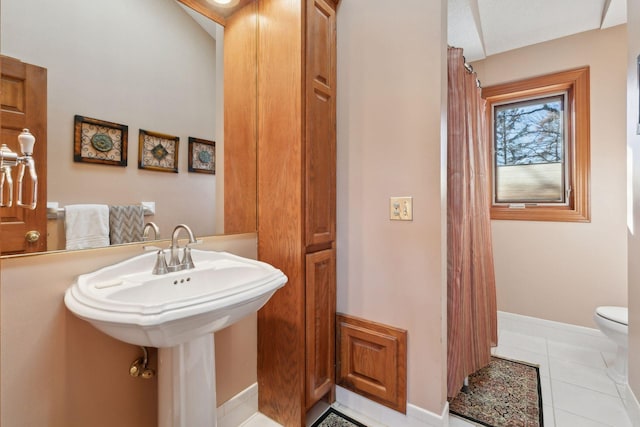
9,159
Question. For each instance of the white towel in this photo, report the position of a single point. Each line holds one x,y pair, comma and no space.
86,226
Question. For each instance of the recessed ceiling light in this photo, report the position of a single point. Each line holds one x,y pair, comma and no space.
227,3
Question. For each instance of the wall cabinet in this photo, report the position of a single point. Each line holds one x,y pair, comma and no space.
296,204
320,309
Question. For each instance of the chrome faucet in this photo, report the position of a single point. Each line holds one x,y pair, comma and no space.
176,263
186,263
148,227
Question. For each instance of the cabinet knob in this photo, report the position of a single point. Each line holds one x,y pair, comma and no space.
32,236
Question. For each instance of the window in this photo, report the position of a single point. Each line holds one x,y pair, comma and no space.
539,130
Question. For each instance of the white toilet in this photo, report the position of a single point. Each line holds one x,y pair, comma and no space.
614,323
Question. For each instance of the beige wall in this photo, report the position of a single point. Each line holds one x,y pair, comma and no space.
633,149
57,370
392,95
145,64
563,271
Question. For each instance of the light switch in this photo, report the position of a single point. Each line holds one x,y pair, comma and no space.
401,208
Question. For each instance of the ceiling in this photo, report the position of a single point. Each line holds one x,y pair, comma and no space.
486,27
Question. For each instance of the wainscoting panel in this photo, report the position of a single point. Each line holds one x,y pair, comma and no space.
372,360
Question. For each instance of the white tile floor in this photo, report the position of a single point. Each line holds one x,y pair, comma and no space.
259,420
576,392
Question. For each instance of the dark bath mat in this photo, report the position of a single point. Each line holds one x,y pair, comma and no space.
333,418
504,394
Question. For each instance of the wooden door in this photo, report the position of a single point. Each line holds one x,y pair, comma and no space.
23,93
320,325
320,123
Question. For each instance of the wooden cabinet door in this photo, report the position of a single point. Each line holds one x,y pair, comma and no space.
320,123
24,105
320,325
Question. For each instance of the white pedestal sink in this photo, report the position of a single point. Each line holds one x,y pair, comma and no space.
176,312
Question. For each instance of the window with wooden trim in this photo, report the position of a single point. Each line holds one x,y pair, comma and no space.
539,130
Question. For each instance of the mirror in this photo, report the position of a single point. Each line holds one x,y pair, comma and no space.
146,64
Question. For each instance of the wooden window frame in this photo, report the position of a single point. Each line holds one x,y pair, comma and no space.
576,83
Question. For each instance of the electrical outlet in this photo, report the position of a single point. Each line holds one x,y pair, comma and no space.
401,208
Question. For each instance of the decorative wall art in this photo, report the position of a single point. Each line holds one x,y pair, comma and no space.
99,141
157,151
202,156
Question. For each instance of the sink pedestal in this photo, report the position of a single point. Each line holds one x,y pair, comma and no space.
187,384
176,312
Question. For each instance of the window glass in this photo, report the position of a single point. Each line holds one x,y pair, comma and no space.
530,148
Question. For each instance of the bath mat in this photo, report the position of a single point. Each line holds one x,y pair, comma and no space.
333,418
504,394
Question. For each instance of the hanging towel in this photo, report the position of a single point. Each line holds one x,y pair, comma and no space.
126,223
86,226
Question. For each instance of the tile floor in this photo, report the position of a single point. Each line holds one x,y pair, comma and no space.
576,392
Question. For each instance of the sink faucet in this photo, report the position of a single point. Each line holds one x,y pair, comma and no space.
186,263
147,228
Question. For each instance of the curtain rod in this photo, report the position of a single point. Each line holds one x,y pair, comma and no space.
469,69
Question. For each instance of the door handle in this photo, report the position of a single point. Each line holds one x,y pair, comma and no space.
32,236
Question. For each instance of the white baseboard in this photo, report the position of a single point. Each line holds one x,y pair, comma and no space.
633,406
239,408
557,331
375,415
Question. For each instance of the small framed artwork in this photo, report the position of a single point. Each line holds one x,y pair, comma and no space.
202,156
158,151
99,141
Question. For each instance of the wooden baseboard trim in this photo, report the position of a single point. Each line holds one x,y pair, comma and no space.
372,360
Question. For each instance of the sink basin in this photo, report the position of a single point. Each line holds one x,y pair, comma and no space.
176,312
129,303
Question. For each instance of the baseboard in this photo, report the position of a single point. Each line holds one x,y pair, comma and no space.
633,406
239,408
377,415
557,331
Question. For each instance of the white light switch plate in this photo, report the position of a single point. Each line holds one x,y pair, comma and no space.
401,208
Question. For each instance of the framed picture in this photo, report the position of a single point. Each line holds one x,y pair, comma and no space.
202,156
157,151
99,141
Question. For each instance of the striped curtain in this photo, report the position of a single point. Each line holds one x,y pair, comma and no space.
471,293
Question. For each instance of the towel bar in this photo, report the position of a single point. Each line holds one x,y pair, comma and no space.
54,211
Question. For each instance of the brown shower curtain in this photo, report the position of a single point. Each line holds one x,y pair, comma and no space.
471,293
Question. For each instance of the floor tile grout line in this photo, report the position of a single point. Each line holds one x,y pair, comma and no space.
617,396
576,362
586,418
553,406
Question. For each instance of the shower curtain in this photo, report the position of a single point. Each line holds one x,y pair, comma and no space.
471,294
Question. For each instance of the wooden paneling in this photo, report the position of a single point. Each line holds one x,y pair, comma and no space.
372,360
320,121
240,120
24,105
296,204
321,327
281,322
